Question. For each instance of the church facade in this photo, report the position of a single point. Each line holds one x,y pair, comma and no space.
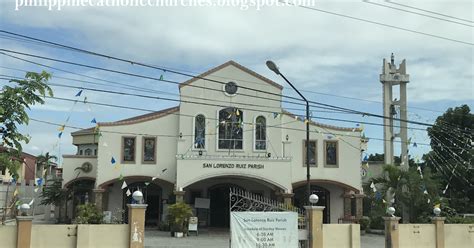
222,135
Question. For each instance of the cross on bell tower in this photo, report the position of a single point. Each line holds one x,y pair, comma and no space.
393,108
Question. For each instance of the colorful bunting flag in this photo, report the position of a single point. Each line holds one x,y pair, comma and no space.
61,128
275,115
378,195
124,185
60,134
36,190
147,183
128,192
372,186
79,93
415,145
31,202
94,121
366,158
445,189
437,205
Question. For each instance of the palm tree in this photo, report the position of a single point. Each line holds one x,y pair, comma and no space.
44,162
406,188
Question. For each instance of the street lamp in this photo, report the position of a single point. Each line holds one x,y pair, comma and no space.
137,196
272,66
24,209
313,199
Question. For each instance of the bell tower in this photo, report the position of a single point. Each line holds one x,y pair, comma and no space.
395,109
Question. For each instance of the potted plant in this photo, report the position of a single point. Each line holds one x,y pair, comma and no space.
178,215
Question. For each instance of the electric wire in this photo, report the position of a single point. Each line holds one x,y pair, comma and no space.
416,13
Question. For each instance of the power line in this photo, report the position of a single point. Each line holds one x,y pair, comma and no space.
148,110
146,65
208,104
215,76
147,90
286,128
416,13
428,11
198,103
156,79
380,24
141,64
160,68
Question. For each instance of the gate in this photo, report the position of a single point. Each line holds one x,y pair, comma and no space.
243,201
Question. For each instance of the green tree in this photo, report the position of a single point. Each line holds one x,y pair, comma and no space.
53,194
44,162
451,156
14,102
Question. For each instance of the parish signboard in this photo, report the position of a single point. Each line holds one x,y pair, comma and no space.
264,229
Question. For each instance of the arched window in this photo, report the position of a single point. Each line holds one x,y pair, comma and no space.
88,152
200,132
230,128
260,133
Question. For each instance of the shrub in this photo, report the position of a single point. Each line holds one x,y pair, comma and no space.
88,214
364,223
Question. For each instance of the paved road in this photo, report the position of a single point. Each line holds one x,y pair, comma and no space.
220,239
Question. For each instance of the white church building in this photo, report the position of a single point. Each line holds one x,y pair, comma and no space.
231,134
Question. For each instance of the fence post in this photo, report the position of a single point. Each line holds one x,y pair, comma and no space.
315,226
354,236
391,232
287,198
136,222
23,231
439,229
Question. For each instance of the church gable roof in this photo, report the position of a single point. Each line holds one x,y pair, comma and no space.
239,66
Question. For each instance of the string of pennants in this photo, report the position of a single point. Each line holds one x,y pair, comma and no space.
463,138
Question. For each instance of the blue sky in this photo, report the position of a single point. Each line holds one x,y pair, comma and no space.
316,51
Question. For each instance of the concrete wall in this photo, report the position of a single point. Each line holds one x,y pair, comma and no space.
417,235
8,236
48,236
74,236
71,162
102,236
459,235
165,148
341,235
349,144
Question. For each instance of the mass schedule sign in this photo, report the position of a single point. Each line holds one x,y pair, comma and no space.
264,229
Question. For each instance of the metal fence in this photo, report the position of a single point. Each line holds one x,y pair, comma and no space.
242,201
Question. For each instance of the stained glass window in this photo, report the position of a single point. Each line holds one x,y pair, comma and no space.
230,128
260,133
200,132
